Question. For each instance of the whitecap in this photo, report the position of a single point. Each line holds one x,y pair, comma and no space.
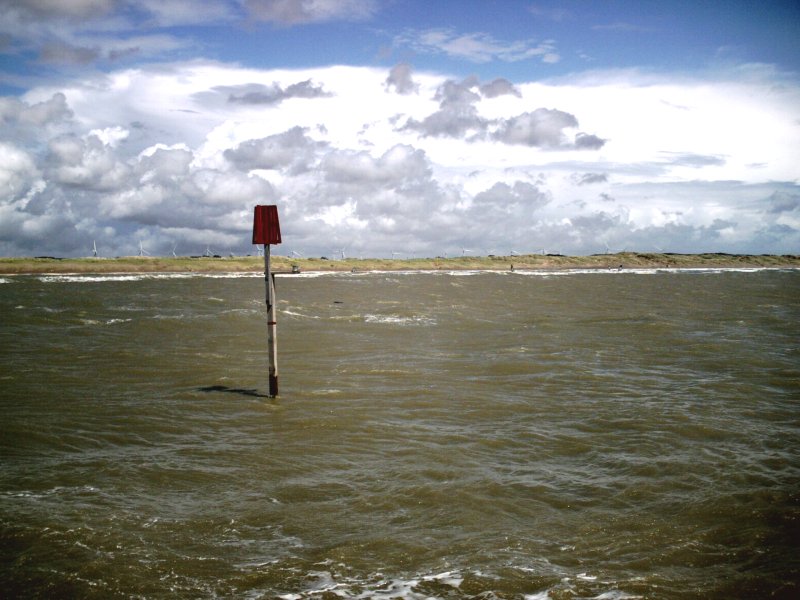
448,578
104,322
314,274
617,595
118,277
297,314
398,320
115,321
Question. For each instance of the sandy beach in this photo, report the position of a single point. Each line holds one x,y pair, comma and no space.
136,264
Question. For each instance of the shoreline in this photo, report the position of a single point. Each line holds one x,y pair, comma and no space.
528,262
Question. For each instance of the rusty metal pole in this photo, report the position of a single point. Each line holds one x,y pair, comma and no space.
272,338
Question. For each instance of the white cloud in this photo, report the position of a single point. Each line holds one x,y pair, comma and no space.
18,173
378,159
476,47
87,164
291,12
292,148
40,114
110,136
542,127
72,9
400,79
165,13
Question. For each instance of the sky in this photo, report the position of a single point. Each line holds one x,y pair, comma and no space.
410,128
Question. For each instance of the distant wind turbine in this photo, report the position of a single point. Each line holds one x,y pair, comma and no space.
142,251
94,248
173,251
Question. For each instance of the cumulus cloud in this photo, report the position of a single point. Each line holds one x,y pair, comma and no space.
784,202
166,190
85,163
522,197
542,127
160,154
451,93
400,79
256,93
545,128
292,148
40,114
398,167
18,172
457,115
588,141
499,87
29,220
88,185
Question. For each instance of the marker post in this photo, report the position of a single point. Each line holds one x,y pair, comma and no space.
267,231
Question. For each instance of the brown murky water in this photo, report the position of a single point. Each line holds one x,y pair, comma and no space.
479,435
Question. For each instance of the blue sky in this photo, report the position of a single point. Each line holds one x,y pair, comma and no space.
380,126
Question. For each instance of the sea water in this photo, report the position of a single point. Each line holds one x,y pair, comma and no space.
525,435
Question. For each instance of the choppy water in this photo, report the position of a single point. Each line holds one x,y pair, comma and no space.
480,435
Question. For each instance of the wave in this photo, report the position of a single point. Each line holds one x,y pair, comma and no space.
105,321
292,313
398,320
539,272
447,584
641,271
118,277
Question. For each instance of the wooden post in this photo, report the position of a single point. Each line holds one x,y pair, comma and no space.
272,339
267,230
